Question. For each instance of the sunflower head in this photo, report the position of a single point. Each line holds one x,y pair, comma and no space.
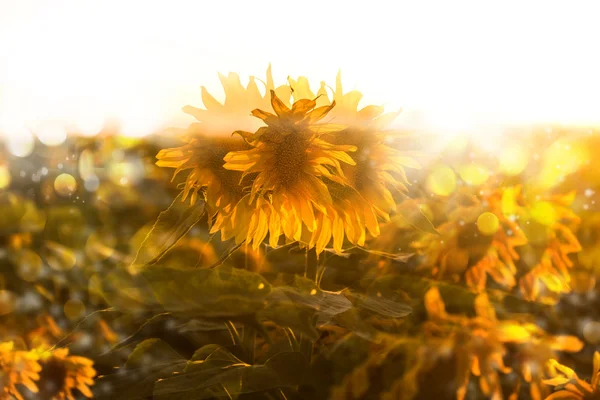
296,121
209,140
379,173
62,374
202,158
17,368
288,160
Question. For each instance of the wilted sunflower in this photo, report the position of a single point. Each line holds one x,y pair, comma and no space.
569,385
17,368
209,140
289,158
62,373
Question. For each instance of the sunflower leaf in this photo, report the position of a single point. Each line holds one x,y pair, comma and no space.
171,225
220,293
216,373
411,213
150,361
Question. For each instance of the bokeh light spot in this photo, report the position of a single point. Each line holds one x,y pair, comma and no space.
65,185
74,309
29,265
5,177
513,160
7,302
442,181
488,223
474,174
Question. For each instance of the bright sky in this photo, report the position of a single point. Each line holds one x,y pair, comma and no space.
79,62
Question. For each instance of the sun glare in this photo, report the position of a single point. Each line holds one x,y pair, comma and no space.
82,63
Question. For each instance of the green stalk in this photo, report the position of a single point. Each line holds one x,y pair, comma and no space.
310,272
249,342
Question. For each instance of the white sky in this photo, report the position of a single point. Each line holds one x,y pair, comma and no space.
459,62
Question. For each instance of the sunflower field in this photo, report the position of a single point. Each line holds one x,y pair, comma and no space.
291,244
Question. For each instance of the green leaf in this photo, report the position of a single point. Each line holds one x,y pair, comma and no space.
150,361
222,292
302,306
124,291
151,349
384,307
171,225
220,373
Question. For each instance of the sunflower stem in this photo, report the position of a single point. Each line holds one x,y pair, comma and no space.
249,342
310,272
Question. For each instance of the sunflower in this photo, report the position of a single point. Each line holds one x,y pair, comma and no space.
533,355
569,385
62,373
547,220
376,178
17,368
348,216
479,345
233,114
209,140
289,158
462,248
379,171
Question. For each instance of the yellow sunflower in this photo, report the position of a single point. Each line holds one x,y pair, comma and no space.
379,171
217,119
17,368
479,343
547,220
478,348
209,140
373,181
463,248
289,158
569,385
348,216
62,373
534,354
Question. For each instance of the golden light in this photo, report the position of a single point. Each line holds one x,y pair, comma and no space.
20,142
474,174
513,159
442,181
457,63
51,134
5,177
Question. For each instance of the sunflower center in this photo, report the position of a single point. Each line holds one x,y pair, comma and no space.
229,180
290,158
52,379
